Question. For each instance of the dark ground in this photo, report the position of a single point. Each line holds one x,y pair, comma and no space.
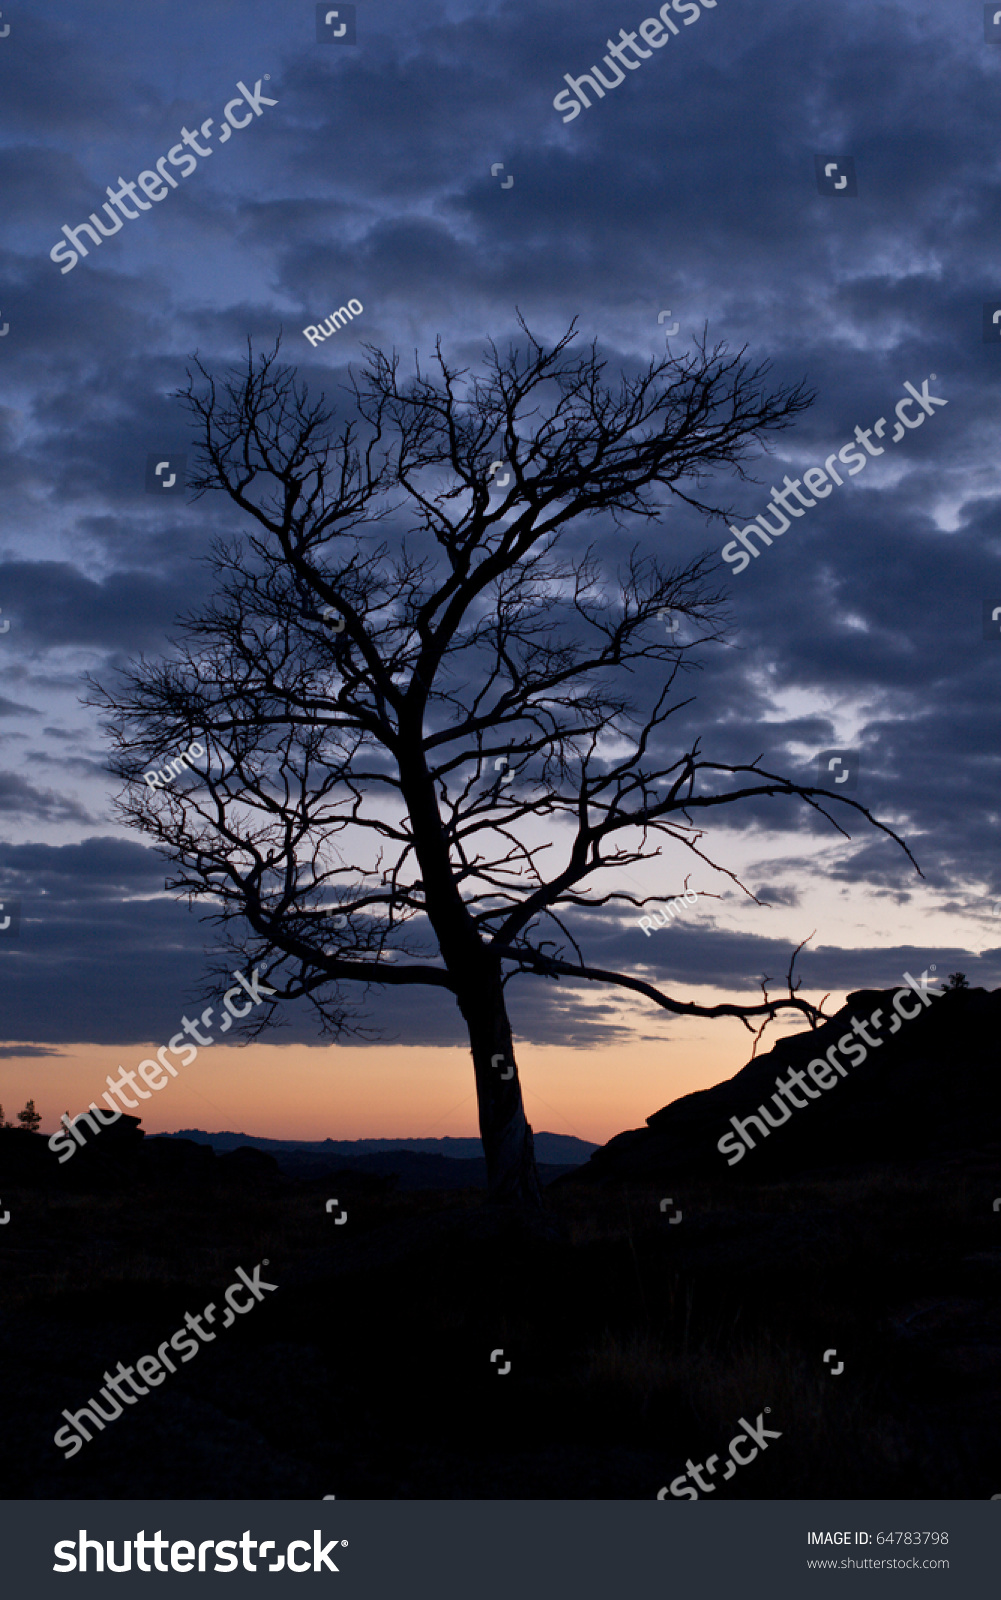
633,1343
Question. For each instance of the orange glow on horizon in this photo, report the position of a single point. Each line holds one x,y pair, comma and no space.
389,1091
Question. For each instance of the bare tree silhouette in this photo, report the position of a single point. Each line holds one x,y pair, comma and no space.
424,746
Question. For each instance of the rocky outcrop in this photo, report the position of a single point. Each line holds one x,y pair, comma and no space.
930,1086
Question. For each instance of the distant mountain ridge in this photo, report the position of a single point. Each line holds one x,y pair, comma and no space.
561,1149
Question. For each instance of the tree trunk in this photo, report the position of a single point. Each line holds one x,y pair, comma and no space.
512,1176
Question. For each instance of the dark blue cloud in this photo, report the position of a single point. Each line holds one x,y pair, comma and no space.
691,187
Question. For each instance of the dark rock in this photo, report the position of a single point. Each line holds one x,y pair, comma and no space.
178,1160
931,1087
246,1165
24,1158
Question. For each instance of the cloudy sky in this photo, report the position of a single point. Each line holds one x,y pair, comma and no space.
691,189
